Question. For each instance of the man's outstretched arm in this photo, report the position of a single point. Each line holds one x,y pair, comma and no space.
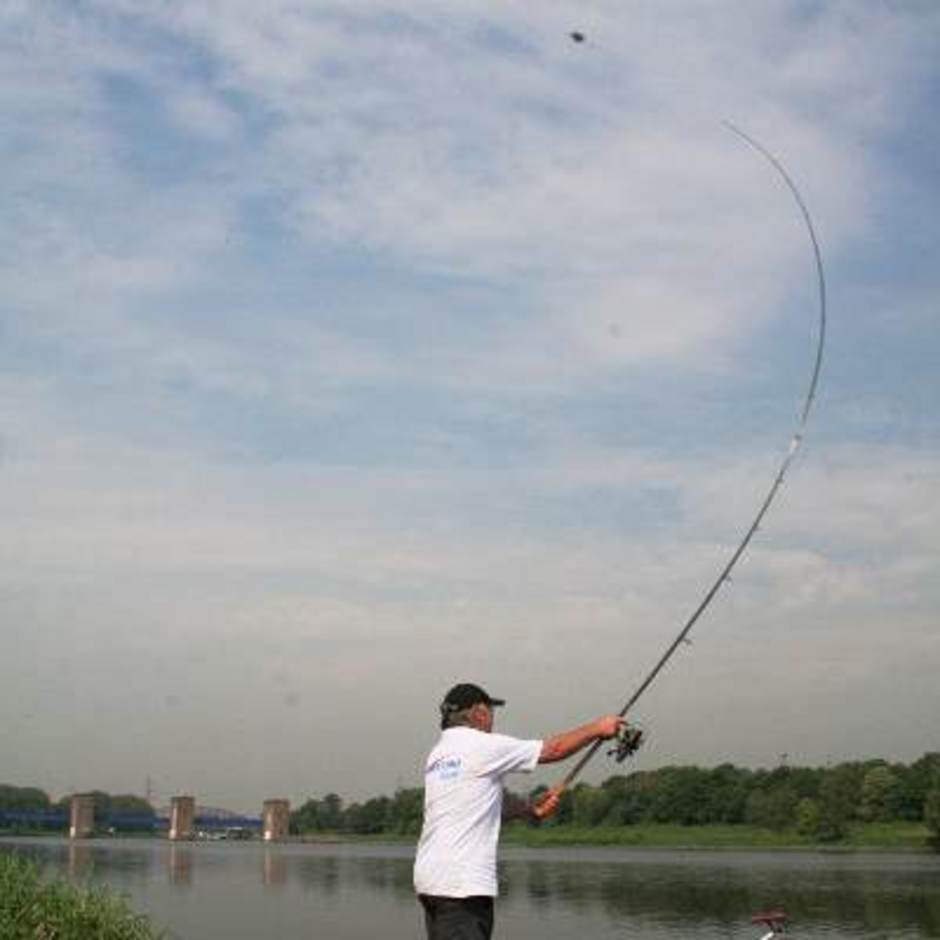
560,746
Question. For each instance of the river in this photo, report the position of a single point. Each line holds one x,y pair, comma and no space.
234,890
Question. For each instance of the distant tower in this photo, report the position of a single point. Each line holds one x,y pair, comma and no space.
182,817
275,820
82,816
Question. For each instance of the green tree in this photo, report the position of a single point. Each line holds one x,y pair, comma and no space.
406,811
726,794
331,812
634,802
838,798
808,815
916,782
680,796
616,791
368,818
805,781
774,808
591,805
932,815
306,817
879,794
22,798
316,815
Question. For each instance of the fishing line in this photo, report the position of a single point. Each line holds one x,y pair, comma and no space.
628,744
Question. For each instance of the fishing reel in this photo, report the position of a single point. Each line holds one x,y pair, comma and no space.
628,741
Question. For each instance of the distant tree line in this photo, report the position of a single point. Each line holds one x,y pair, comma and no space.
400,814
817,802
23,798
32,800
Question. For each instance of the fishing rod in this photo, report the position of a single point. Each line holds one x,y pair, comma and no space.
631,737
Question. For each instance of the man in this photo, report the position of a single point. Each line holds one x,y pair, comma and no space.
455,867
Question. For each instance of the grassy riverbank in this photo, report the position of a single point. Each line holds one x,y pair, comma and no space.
891,836
32,907
884,836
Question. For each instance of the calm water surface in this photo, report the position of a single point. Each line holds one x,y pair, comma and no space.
231,890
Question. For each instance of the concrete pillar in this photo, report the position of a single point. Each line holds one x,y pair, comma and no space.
82,817
182,816
275,820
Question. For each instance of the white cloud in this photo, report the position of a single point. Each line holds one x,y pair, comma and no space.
647,240
496,231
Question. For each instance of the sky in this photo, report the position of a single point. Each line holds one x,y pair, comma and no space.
349,351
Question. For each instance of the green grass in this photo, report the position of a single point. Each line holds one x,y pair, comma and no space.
33,908
889,835
653,835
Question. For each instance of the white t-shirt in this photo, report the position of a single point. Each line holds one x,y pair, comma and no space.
463,799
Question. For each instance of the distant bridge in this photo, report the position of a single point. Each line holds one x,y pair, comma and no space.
121,822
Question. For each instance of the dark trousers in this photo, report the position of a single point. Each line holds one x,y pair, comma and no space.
457,918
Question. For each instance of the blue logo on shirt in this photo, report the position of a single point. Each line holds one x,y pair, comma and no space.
446,768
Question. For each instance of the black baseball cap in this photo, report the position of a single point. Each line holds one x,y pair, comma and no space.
465,695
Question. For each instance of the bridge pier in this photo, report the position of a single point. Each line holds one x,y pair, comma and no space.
275,820
81,816
182,817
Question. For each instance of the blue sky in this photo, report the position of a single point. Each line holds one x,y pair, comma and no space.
347,352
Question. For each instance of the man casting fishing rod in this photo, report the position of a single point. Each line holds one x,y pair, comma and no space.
455,867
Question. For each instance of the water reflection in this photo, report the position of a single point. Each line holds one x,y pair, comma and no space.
273,869
318,874
858,894
328,873
180,865
79,860
640,891
347,890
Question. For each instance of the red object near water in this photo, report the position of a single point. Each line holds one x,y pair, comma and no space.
772,919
